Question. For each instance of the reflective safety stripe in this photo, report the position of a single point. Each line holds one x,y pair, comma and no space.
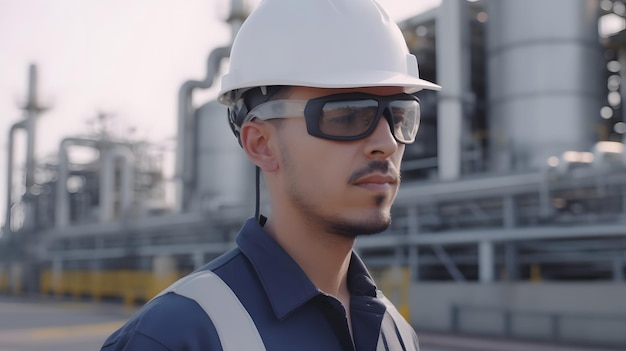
234,326
388,336
393,321
237,330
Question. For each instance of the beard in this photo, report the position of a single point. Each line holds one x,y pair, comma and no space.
337,224
373,221
370,222
353,228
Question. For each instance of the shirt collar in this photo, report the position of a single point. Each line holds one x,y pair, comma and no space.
285,283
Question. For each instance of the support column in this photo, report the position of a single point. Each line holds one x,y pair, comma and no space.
414,267
164,272
15,278
485,262
413,229
508,215
198,259
453,69
622,60
32,109
56,276
511,262
107,184
510,250
9,188
618,270
62,202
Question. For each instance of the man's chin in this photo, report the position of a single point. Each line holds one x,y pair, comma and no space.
353,228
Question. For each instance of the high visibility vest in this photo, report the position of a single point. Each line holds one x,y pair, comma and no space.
238,331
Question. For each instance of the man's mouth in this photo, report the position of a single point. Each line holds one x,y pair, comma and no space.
376,182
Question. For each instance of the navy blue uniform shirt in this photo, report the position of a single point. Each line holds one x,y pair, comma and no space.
290,313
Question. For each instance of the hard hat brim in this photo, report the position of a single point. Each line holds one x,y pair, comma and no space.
410,83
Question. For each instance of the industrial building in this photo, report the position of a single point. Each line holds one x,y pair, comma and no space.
510,221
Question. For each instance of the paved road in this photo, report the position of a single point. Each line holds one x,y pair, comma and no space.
57,325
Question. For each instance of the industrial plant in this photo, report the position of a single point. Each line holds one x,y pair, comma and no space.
510,220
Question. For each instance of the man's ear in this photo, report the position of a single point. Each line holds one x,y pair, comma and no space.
256,140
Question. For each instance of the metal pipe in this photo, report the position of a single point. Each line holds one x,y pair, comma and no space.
107,179
108,154
486,262
107,185
186,147
7,220
185,155
622,60
128,180
62,208
32,109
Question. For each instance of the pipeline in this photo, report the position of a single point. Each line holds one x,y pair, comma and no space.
32,109
185,174
9,203
185,151
109,151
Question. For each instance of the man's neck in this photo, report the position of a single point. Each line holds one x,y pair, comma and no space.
324,257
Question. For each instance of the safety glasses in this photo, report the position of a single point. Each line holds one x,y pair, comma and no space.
348,116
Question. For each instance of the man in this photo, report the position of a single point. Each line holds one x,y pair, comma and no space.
320,98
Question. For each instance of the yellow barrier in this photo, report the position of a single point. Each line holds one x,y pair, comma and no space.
535,273
11,279
130,285
4,282
394,283
134,286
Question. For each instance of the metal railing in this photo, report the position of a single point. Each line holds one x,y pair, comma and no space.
602,329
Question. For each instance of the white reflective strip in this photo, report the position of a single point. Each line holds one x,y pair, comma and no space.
381,344
401,324
388,328
177,283
234,326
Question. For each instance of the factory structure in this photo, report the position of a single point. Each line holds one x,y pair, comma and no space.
510,221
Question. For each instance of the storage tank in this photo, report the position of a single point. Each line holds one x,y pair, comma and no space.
225,176
545,70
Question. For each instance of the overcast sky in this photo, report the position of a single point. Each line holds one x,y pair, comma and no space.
126,58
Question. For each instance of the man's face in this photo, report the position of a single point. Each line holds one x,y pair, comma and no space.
347,186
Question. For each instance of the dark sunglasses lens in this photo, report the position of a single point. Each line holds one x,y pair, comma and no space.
406,117
347,118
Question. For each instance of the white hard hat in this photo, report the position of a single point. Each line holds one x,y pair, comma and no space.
320,43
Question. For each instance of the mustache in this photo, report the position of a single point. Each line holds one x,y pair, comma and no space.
383,167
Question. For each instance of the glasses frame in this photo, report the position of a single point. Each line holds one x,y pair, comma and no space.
312,109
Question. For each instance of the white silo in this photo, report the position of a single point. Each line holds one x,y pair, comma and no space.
545,80
224,175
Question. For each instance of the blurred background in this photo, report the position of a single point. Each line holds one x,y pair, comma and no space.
119,172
